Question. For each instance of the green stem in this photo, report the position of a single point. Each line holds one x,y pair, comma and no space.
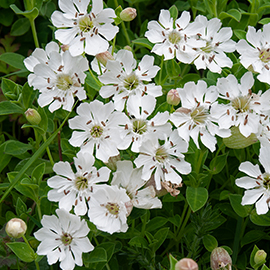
34,32
237,239
113,45
33,253
126,33
39,210
94,77
179,236
48,151
161,66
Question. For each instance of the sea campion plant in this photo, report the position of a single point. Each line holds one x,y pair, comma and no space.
134,134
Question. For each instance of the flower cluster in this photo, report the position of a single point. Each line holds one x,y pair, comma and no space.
125,116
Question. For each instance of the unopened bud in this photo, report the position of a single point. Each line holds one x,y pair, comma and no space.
173,97
220,259
16,228
32,116
104,57
239,141
128,48
260,257
186,264
128,14
65,47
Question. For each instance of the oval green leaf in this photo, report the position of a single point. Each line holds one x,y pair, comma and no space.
196,197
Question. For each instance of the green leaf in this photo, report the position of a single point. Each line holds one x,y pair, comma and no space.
173,12
253,236
196,197
118,10
15,148
13,59
261,220
20,207
143,42
218,163
93,81
138,241
22,251
241,34
173,262
159,237
240,210
264,267
210,242
4,158
252,255
28,96
109,247
264,21
30,14
96,256
232,13
6,3
20,27
10,89
173,69
6,17
155,223
37,173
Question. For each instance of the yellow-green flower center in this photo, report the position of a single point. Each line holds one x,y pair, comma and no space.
139,126
131,81
265,55
81,183
242,103
208,48
199,115
66,239
174,37
85,24
96,131
113,208
64,82
161,154
266,180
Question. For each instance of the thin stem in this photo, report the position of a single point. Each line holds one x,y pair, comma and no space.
161,66
126,33
34,32
113,45
33,253
48,151
179,236
94,77
39,210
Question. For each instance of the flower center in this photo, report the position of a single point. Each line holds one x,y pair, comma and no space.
161,154
174,37
64,82
199,115
113,208
131,81
96,131
265,55
66,239
139,126
208,48
266,180
242,103
85,24
81,183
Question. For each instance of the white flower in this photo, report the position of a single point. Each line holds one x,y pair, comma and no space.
83,31
139,128
164,160
256,55
218,41
73,189
173,39
256,183
122,79
99,127
194,117
39,56
108,209
243,108
131,180
58,79
63,238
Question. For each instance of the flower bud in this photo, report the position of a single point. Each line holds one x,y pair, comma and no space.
220,259
16,228
128,14
104,57
260,257
32,116
173,97
239,141
186,264
128,48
